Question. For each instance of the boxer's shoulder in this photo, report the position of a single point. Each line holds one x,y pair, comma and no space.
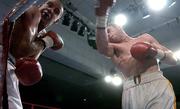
33,10
145,38
31,15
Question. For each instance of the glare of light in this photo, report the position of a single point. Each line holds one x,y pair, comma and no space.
84,99
157,5
108,79
158,60
145,12
177,55
172,4
145,17
120,20
117,81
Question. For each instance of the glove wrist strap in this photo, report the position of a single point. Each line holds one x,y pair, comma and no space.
161,55
101,21
48,41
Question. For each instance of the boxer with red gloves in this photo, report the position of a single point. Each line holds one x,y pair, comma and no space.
52,40
145,86
28,41
28,69
143,50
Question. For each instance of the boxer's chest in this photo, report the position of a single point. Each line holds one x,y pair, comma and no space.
123,49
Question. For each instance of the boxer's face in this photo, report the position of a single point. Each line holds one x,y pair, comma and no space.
115,34
51,11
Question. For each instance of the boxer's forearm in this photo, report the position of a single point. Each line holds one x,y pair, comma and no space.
101,34
164,54
37,48
103,45
167,54
32,49
101,40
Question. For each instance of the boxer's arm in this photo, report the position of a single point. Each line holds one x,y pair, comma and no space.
167,54
32,16
103,44
101,11
24,35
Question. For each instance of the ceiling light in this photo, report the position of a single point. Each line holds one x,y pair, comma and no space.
120,20
156,5
146,16
145,12
117,81
177,55
172,3
108,79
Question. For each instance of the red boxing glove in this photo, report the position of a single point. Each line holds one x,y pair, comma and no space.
28,71
52,40
142,51
101,12
104,4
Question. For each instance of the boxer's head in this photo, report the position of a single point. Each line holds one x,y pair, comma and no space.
51,11
116,33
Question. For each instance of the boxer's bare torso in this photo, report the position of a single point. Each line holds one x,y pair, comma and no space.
126,63
24,40
115,43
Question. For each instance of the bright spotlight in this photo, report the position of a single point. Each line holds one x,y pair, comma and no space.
120,20
108,79
156,5
117,81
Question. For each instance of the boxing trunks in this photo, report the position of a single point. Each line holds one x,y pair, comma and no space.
14,99
154,91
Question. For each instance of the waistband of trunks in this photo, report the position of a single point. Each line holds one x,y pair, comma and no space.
142,79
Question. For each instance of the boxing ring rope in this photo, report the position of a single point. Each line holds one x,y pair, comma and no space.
20,8
35,106
8,25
